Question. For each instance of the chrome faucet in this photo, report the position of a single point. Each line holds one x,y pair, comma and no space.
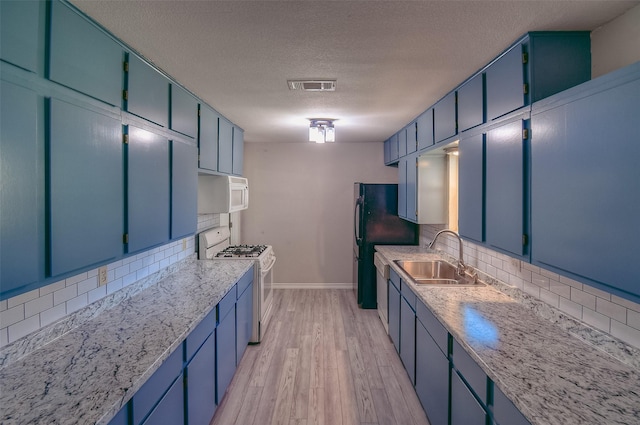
461,266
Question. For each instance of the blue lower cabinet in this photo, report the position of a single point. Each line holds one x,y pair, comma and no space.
465,409
155,390
408,338
122,417
170,410
432,377
225,346
504,412
394,315
201,384
244,315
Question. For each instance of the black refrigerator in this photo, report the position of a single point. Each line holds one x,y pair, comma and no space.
376,222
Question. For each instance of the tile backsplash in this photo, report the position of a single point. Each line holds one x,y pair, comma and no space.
599,309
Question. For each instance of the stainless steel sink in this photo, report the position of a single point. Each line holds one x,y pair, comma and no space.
436,273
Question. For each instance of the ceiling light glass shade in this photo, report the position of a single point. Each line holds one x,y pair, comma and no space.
330,134
322,130
314,133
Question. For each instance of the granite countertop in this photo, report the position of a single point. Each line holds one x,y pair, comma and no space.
87,374
549,374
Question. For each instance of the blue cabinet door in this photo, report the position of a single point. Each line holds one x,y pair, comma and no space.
225,351
147,189
412,188
238,150
504,412
121,418
444,117
408,339
505,84
184,111
225,146
402,188
394,152
83,57
184,189
394,315
432,377
147,92
21,34
201,384
170,410
22,194
412,138
387,152
505,188
465,409
584,184
471,187
402,142
425,129
244,314
208,141
86,187
471,103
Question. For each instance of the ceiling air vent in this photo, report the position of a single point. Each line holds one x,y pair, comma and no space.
312,85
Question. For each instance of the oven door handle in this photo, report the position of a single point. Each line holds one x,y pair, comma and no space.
267,269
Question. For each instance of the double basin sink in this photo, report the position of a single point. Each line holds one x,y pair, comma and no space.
437,273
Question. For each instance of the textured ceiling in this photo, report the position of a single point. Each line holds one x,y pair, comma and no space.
392,59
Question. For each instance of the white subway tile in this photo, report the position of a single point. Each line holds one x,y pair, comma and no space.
129,260
497,263
571,308
560,289
524,274
597,320
174,258
23,328
549,274
4,337
532,268
88,285
540,280
583,298
121,271
491,270
38,305
157,257
115,265
11,316
154,268
134,266
142,273
625,333
22,298
597,292
516,281
549,297
633,319
3,305
625,303
114,286
611,310
56,313
165,263
75,279
532,289
570,282
111,275
98,293
77,303
93,272
147,261
503,276
128,279
65,294
49,289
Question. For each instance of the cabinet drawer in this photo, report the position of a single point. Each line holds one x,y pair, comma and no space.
200,334
170,410
504,412
434,327
244,282
394,278
226,304
147,396
469,369
408,294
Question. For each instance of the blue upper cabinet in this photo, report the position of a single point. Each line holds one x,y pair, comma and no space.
537,66
85,188
208,139
148,189
471,103
391,147
225,146
22,194
444,118
184,112
584,182
238,150
412,138
21,38
424,130
148,92
402,142
402,187
505,182
184,189
471,187
83,57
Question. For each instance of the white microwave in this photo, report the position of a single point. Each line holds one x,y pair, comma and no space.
222,194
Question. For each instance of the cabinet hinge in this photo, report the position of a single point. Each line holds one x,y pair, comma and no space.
125,238
525,134
125,139
525,239
125,66
125,94
525,88
525,58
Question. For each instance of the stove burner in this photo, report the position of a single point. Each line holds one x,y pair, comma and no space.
242,251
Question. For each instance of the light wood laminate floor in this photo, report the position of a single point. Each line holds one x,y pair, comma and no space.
322,361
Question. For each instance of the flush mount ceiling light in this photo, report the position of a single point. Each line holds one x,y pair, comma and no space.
312,85
321,130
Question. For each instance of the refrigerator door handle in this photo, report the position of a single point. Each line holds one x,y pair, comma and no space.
356,222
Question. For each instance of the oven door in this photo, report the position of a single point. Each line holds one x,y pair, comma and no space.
263,293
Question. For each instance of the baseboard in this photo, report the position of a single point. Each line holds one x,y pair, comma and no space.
320,285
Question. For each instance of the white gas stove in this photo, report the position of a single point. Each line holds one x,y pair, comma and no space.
214,244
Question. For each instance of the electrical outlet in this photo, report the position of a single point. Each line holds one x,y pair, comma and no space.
102,276
184,244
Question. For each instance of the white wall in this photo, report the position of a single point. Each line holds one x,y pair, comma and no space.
301,202
616,44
